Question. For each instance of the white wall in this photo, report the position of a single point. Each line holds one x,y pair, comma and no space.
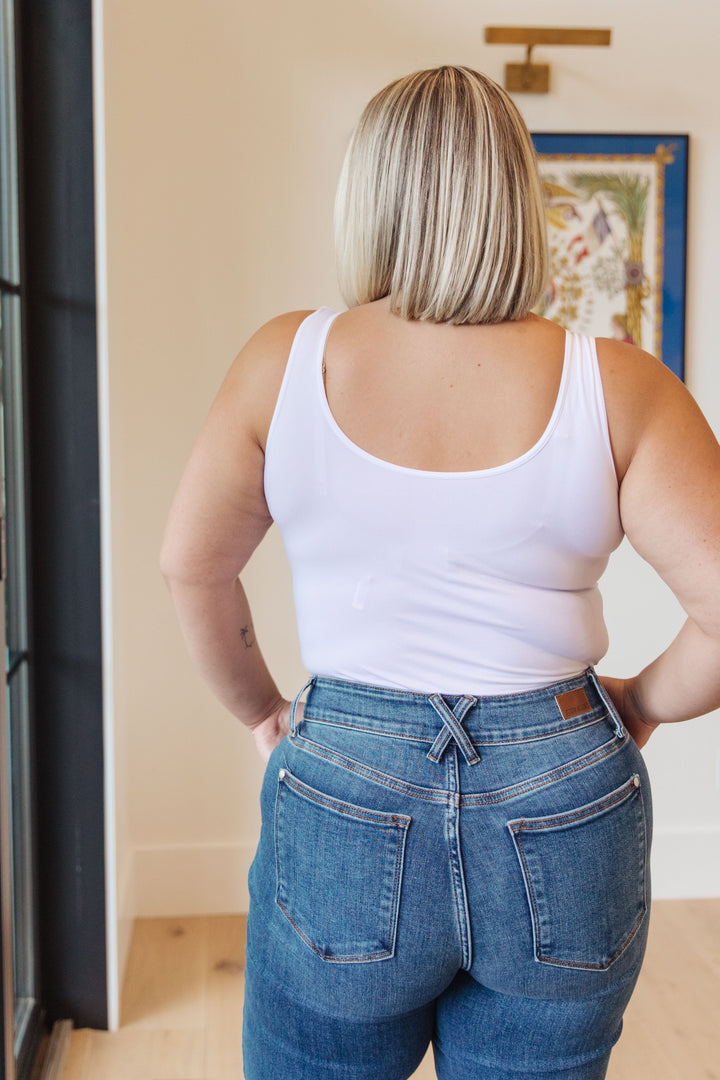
225,125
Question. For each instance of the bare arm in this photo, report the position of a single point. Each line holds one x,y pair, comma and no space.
217,519
669,463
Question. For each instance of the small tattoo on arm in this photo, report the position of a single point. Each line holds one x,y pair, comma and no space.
248,638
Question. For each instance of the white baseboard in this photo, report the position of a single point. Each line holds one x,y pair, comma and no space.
211,879
686,864
199,879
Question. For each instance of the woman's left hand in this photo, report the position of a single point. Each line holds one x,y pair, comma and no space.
625,701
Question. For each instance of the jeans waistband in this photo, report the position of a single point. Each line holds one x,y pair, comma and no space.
532,714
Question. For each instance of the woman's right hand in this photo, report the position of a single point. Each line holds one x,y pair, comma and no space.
273,729
624,698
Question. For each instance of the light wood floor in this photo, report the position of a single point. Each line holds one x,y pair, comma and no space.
182,1004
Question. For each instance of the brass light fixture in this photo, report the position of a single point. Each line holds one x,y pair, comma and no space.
532,78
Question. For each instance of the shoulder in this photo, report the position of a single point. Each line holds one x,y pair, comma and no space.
271,343
631,366
641,396
281,328
253,382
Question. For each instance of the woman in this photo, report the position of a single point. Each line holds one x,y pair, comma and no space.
456,826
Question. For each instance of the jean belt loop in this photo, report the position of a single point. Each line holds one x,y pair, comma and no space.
296,701
608,702
452,729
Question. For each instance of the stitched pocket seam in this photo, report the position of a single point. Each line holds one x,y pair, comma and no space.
558,822
397,823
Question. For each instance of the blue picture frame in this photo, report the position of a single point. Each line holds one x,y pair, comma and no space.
594,252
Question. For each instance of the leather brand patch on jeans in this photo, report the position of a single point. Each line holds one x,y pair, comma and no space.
573,703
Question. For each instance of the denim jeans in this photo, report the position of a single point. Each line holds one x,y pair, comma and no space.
471,871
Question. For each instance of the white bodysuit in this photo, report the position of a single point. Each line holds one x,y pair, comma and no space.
475,583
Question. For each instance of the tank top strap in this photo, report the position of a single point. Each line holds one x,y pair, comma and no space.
584,403
301,385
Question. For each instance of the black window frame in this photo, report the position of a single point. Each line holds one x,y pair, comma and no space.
57,263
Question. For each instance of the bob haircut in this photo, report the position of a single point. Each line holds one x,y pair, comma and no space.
439,204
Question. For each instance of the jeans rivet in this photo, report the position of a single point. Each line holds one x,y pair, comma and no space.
636,780
281,774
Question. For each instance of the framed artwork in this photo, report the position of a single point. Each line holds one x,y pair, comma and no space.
616,210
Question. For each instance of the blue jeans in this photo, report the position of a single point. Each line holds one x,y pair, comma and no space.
468,871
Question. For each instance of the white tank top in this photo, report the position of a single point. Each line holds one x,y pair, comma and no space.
475,583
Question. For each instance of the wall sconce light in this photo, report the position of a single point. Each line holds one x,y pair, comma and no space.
532,78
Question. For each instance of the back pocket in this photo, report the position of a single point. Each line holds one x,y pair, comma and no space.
339,872
585,879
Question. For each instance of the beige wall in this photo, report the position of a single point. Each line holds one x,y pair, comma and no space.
225,124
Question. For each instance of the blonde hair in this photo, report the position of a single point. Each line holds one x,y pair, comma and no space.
439,204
